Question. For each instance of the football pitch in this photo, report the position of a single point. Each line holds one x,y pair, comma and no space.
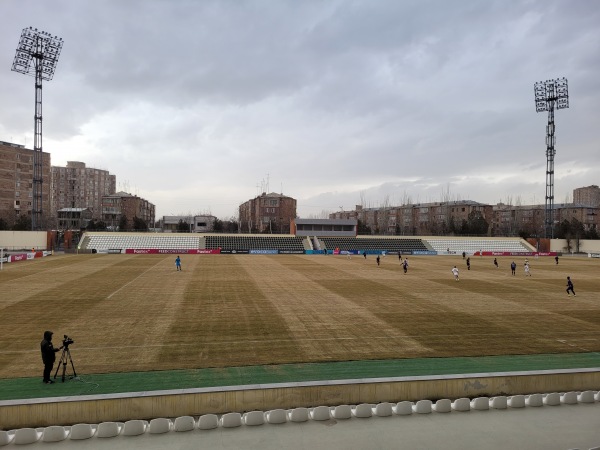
131,313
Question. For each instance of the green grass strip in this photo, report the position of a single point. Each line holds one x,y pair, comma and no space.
112,383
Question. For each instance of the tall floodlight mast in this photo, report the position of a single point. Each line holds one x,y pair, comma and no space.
550,94
37,55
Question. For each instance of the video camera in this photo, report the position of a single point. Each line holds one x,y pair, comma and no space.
67,341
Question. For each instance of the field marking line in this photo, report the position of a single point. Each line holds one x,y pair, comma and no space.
125,285
578,346
44,271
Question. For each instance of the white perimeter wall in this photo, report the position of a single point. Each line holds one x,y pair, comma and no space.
585,246
23,240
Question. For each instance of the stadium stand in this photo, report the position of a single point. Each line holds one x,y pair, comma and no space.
373,244
103,242
472,245
254,242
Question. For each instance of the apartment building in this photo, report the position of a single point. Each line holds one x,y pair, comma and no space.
78,186
268,213
589,195
419,218
16,184
586,214
124,205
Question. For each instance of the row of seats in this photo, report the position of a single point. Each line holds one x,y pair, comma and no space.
242,242
474,245
357,243
278,416
165,241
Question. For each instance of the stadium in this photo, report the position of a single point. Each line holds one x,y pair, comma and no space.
298,331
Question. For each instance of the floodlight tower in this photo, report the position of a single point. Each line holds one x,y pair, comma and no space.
550,94
37,55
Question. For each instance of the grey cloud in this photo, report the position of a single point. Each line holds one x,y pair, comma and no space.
319,94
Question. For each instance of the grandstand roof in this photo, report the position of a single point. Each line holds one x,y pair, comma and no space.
72,209
325,221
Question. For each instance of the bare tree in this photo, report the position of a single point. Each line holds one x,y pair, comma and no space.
363,198
445,199
518,217
406,199
384,215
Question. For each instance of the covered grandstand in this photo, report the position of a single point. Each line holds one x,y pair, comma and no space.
111,242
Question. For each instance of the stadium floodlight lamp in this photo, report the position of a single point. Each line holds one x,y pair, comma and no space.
37,48
37,55
562,94
550,95
539,90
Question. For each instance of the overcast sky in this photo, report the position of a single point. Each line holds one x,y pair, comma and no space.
198,106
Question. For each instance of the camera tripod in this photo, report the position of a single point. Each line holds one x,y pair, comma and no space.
64,358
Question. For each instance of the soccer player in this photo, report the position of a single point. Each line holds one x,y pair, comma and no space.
455,273
378,260
527,271
513,267
496,262
405,265
178,263
570,287
469,263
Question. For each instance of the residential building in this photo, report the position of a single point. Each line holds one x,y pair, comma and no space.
195,224
78,186
420,218
73,218
16,184
587,215
267,213
589,195
121,205
512,220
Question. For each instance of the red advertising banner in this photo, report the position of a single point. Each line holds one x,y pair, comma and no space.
514,254
157,251
19,257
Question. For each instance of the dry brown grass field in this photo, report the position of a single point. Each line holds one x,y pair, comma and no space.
136,313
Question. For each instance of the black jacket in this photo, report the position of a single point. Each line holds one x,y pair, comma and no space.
48,350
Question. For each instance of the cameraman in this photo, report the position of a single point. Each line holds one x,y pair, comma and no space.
48,355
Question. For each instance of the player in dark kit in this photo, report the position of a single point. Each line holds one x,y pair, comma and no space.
469,263
513,267
570,287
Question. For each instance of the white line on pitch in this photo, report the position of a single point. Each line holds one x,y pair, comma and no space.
125,285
